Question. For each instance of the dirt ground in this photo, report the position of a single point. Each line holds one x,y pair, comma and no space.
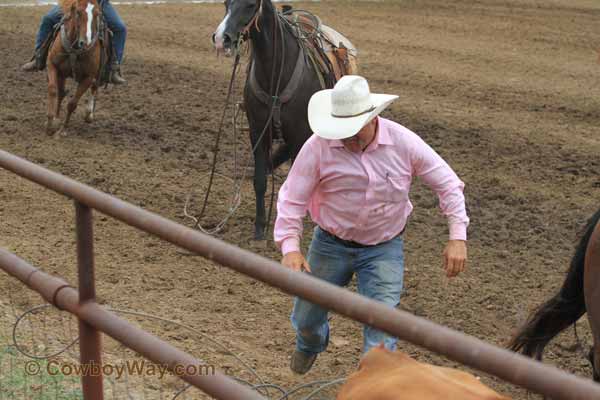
507,91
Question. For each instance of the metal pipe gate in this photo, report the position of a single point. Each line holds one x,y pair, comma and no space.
457,346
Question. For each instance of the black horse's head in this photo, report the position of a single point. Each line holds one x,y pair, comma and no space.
239,15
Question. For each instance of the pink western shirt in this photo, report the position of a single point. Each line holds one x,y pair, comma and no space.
363,197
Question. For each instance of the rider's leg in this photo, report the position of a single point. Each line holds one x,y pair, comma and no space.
48,21
116,25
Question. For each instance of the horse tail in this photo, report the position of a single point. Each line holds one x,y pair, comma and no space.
562,310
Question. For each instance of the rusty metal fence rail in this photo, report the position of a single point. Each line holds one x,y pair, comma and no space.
459,347
94,318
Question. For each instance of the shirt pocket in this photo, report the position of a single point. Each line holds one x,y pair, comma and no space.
394,189
398,188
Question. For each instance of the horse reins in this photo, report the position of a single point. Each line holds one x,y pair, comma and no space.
215,153
253,20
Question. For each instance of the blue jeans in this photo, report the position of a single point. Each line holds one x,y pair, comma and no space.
113,20
379,271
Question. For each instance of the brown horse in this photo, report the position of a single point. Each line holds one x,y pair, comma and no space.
79,51
580,293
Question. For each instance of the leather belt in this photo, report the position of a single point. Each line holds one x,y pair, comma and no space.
356,245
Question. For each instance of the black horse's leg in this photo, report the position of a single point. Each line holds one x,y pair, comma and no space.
260,188
595,371
281,155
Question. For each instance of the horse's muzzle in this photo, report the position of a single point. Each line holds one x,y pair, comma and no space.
222,42
79,44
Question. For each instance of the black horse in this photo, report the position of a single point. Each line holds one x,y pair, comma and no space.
579,294
281,79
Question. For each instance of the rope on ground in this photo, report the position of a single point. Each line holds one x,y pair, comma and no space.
266,389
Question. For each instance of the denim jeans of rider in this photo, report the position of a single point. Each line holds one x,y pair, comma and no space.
379,271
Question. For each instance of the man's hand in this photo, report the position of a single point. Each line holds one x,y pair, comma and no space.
295,261
455,257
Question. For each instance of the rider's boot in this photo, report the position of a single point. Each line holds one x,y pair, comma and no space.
30,66
115,75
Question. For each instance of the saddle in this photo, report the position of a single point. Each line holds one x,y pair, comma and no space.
104,37
331,52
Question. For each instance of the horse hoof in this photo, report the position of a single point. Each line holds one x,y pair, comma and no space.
259,235
62,132
89,118
50,129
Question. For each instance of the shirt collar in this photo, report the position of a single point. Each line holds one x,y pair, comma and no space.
382,135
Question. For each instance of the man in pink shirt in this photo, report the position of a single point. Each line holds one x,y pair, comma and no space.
353,176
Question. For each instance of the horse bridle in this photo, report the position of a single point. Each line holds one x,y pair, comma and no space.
253,21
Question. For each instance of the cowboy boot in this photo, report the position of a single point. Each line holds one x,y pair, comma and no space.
115,75
302,362
30,66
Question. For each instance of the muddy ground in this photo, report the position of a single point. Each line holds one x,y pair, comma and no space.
506,91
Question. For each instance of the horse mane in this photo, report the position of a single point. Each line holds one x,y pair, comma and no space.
66,5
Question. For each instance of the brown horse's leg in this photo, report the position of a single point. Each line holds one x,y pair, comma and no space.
72,105
89,112
52,98
60,83
591,285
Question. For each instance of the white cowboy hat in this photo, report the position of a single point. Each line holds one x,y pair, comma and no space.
341,112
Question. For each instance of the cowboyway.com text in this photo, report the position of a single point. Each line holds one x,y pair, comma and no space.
129,367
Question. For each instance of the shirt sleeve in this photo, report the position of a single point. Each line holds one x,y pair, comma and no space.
437,174
294,197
